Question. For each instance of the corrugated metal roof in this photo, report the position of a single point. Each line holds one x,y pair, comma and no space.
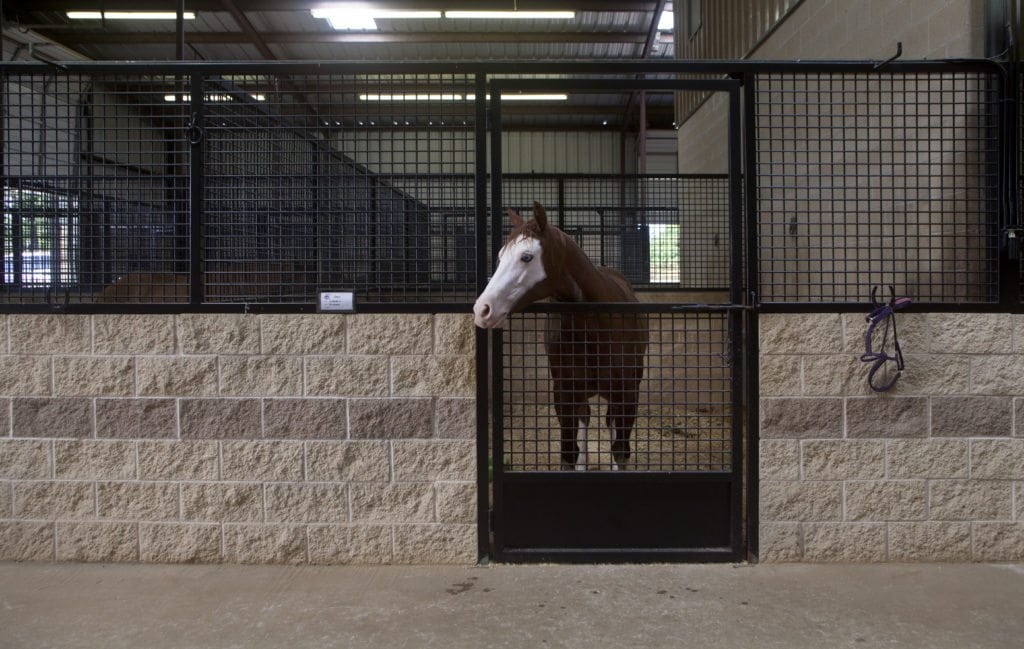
297,35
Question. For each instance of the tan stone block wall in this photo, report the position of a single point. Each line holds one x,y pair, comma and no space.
238,438
930,471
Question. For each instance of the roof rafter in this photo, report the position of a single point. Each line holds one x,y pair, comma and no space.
95,37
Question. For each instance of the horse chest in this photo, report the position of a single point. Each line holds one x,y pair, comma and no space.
593,354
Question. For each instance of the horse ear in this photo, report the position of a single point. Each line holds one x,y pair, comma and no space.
514,217
540,216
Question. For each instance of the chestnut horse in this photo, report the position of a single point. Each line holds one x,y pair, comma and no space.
589,353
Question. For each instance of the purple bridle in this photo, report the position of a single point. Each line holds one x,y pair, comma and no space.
884,313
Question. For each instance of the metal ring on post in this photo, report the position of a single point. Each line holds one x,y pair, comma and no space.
193,131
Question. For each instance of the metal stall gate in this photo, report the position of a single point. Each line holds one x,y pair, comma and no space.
672,374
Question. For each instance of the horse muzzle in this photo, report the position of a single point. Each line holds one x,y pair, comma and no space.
486,316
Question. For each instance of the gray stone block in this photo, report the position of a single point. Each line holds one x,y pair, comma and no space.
785,418
887,417
220,419
391,418
136,418
52,417
305,419
972,416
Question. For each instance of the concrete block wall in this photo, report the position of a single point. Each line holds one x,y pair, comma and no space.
931,471
238,438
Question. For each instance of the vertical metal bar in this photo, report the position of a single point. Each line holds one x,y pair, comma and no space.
641,155
483,504
1014,143
1009,268
735,202
496,197
561,203
3,149
496,369
179,24
751,365
196,152
736,319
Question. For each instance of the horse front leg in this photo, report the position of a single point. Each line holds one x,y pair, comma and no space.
573,420
621,418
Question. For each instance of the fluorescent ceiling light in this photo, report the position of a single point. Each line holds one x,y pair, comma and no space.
412,96
534,97
667,22
213,98
129,15
358,18
512,15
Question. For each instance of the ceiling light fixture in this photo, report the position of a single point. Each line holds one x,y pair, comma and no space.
212,98
667,22
512,15
348,19
412,96
128,15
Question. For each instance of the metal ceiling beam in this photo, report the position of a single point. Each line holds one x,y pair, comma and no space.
652,35
27,6
250,32
92,37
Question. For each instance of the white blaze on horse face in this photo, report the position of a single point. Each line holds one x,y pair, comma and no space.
520,268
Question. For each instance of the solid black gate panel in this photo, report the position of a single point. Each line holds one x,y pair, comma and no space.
633,512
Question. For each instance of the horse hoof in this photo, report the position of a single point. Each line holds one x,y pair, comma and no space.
581,467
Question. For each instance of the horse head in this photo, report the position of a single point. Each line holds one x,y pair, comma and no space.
530,268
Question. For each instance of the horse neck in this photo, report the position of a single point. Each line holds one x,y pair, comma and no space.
588,283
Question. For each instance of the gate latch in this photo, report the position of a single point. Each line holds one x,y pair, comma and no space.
1012,237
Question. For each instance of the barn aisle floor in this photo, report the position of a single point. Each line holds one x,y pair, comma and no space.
721,606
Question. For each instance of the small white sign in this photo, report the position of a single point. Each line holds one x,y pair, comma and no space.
337,301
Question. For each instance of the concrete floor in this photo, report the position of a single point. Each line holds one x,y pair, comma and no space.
720,606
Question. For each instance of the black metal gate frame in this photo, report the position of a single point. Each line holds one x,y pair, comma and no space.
735,310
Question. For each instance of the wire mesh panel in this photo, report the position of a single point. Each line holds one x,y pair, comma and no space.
340,181
661,380
877,179
95,191
662,232
305,182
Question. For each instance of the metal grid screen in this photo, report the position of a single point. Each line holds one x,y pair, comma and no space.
95,188
877,179
683,403
665,232
299,183
340,182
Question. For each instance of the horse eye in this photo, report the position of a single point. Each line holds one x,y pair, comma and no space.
526,257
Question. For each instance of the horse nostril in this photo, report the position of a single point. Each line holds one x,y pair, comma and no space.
485,310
